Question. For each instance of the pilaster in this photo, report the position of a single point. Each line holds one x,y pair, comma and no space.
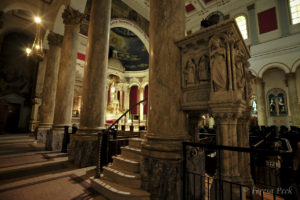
261,102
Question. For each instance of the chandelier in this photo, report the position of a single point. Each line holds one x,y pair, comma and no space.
37,46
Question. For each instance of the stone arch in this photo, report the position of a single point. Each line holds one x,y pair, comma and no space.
212,17
253,72
282,66
58,26
295,65
134,84
144,85
125,23
20,6
78,5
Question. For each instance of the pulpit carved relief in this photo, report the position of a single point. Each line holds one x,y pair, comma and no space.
217,66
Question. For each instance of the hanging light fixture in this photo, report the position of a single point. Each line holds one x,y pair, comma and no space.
37,46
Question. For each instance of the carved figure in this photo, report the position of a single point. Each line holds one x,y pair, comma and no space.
218,66
190,72
202,69
272,107
240,79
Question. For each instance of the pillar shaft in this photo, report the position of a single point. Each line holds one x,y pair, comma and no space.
261,103
50,81
252,24
293,99
167,127
95,75
164,74
67,69
283,17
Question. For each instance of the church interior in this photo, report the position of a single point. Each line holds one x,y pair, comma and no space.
150,99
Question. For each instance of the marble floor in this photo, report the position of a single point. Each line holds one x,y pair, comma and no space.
28,172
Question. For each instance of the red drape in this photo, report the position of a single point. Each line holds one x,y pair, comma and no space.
146,97
134,97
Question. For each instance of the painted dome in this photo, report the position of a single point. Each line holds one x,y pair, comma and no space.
114,63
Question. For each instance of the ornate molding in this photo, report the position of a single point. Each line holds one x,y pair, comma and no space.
55,39
71,16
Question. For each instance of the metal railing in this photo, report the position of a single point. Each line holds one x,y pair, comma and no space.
270,171
103,139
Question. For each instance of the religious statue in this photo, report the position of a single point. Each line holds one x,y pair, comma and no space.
281,104
190,72
239,71
272,107
202,69
218,66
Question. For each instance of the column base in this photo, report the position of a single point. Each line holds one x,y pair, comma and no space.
54,139
83,150
42,132
161,167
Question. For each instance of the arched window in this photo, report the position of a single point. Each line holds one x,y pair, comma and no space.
295,11
277,102
242,24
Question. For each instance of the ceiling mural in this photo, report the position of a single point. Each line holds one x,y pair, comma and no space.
130,49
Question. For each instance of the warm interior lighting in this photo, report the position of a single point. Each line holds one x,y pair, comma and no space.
37,46
28,51
37,20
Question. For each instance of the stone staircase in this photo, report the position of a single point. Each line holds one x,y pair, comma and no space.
121,180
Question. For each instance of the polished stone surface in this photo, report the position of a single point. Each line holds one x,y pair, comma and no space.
167,126
67,69
83,150
51,79
92,114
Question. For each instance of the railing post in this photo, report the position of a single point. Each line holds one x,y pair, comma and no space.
184,171
98,170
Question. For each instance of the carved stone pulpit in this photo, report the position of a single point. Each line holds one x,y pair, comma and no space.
215,78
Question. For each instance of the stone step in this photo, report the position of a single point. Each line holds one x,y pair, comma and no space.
135,142
123,163
120,176
115,191
131,153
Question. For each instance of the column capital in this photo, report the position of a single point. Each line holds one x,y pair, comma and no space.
72,16
290,75
251,7
55,39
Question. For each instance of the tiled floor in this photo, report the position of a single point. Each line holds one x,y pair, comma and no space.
27,171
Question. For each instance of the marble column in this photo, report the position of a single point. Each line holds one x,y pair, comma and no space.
252,24
36,100
66,77
293,99
92,117
261,102
283,13
167,124
141,107
50,85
